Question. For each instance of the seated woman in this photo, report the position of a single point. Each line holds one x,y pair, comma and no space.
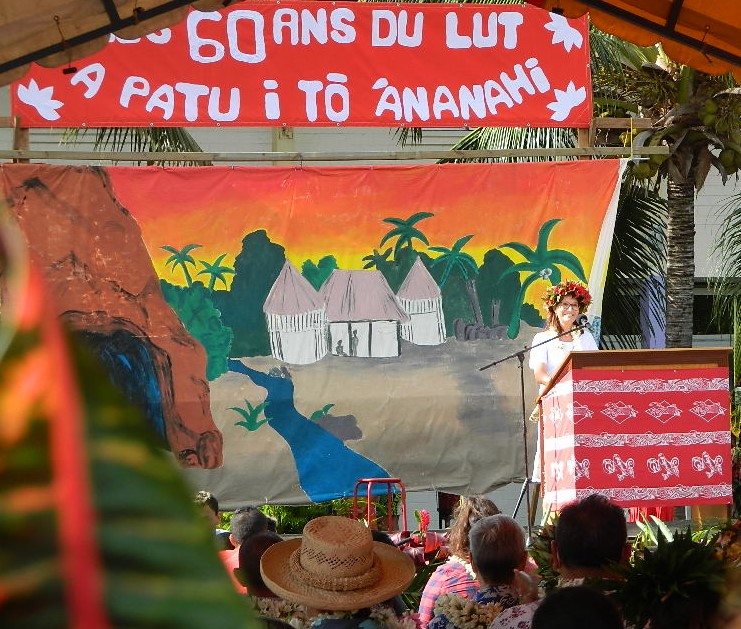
497,554
456,575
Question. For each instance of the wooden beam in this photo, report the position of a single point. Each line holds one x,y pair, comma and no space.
117,156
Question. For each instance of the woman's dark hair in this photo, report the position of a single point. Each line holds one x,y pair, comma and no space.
469,511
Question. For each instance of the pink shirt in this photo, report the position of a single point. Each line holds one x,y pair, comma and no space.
452,577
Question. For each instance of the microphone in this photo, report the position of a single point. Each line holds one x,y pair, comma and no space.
582,321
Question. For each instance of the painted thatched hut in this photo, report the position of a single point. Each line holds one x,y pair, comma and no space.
421,299
363,314
296,319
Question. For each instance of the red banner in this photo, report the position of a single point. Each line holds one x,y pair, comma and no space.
328,64
647,438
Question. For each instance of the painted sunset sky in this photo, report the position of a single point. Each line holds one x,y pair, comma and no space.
339,211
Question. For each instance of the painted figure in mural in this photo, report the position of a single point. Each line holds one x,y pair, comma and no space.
354,340
326,467
564,302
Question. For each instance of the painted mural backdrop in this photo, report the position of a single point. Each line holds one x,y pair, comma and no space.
331,322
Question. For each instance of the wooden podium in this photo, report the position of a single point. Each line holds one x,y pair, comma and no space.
646,428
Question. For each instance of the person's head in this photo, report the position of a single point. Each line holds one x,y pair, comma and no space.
247,521
250,553
564,302
497,545
577,608
469,511
336,566
209,506
591,534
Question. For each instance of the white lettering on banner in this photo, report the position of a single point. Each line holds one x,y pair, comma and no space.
258,35
213,105
246,30
304,26
91,77
162,36
472,101
191,91
196,43
165,97
389,29
272,102
133,86
509,20
342,31
334,91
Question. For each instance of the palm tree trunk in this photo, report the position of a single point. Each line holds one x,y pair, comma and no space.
473,295
680,268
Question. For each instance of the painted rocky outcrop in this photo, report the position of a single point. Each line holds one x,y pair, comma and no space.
103,284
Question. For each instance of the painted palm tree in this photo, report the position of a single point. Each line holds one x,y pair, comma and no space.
454,258
377,260
216,271
181,258
540,263
405,232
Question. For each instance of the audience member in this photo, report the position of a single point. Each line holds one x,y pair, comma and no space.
250,553
577,607
497,546
246,522
210,511
262,599
339,572
591,537
456,575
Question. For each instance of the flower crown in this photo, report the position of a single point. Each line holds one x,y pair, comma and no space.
555,294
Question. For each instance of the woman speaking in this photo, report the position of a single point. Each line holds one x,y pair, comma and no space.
564,302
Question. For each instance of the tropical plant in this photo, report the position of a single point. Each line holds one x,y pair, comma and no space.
322,412
181,258
318,273
377,260
694,114
141,140
75,553
202,319
680,578
540,263
405,232
251,415
455,258
216,271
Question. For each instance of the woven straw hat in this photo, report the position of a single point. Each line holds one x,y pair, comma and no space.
336,566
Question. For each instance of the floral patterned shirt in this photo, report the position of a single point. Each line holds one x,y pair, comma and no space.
502,594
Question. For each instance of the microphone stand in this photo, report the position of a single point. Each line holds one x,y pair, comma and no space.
521,359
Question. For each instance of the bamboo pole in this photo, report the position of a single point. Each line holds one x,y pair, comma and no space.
607,151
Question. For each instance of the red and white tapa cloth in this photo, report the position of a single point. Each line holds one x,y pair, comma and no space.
648,437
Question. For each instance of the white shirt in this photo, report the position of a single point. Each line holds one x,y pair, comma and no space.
553,353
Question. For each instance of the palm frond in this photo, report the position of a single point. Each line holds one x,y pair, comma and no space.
637,259
140,140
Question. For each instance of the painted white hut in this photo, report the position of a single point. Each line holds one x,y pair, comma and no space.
296,319
421,298
363,314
